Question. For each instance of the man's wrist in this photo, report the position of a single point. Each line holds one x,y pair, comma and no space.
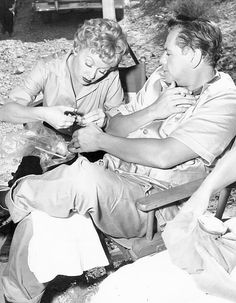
103,141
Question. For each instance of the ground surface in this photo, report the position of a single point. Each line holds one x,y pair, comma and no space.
32,39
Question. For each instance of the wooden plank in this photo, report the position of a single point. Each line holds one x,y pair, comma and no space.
168,196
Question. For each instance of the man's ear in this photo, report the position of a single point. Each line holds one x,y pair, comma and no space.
194,56
197,58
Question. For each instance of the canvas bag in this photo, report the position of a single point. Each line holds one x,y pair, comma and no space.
184,232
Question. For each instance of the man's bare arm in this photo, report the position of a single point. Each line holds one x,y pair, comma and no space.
170,102
161,153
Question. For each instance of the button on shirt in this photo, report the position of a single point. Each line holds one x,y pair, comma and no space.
207,127
51,77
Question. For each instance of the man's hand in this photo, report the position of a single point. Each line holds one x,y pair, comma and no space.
97,117
173,100
85,139
56,116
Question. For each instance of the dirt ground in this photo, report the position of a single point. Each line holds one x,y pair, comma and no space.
144,23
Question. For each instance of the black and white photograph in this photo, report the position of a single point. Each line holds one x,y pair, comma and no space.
117,151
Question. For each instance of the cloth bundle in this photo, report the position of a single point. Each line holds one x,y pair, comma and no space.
63,246
185,231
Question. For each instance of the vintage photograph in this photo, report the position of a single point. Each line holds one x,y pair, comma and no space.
117,151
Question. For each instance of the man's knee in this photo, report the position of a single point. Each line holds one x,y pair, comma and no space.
89,186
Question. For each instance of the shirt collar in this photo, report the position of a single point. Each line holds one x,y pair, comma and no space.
199,91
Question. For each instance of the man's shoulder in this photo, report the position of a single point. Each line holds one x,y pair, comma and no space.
224,82
222,87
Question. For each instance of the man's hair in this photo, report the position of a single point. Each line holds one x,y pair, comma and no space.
198,33
104,37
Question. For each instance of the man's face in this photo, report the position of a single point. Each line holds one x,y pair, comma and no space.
175,61
88,67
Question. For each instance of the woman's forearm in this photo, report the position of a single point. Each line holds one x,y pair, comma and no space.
16,113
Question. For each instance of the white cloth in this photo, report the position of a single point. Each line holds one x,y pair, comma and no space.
63,246
152,279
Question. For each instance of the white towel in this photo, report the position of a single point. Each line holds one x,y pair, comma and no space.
152,279
63,246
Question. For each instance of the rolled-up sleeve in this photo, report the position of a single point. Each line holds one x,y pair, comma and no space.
31,86
211,127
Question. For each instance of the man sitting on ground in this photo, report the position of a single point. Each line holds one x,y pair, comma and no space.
146,150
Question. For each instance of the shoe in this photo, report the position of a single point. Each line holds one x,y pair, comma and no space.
28,166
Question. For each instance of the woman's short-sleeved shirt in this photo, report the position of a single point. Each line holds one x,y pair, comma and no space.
51,77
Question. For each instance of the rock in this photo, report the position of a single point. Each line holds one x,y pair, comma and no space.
19,70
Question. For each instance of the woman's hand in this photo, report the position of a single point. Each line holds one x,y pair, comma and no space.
173,100
85,139
97,117
56,116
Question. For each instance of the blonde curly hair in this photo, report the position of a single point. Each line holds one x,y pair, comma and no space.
104,37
